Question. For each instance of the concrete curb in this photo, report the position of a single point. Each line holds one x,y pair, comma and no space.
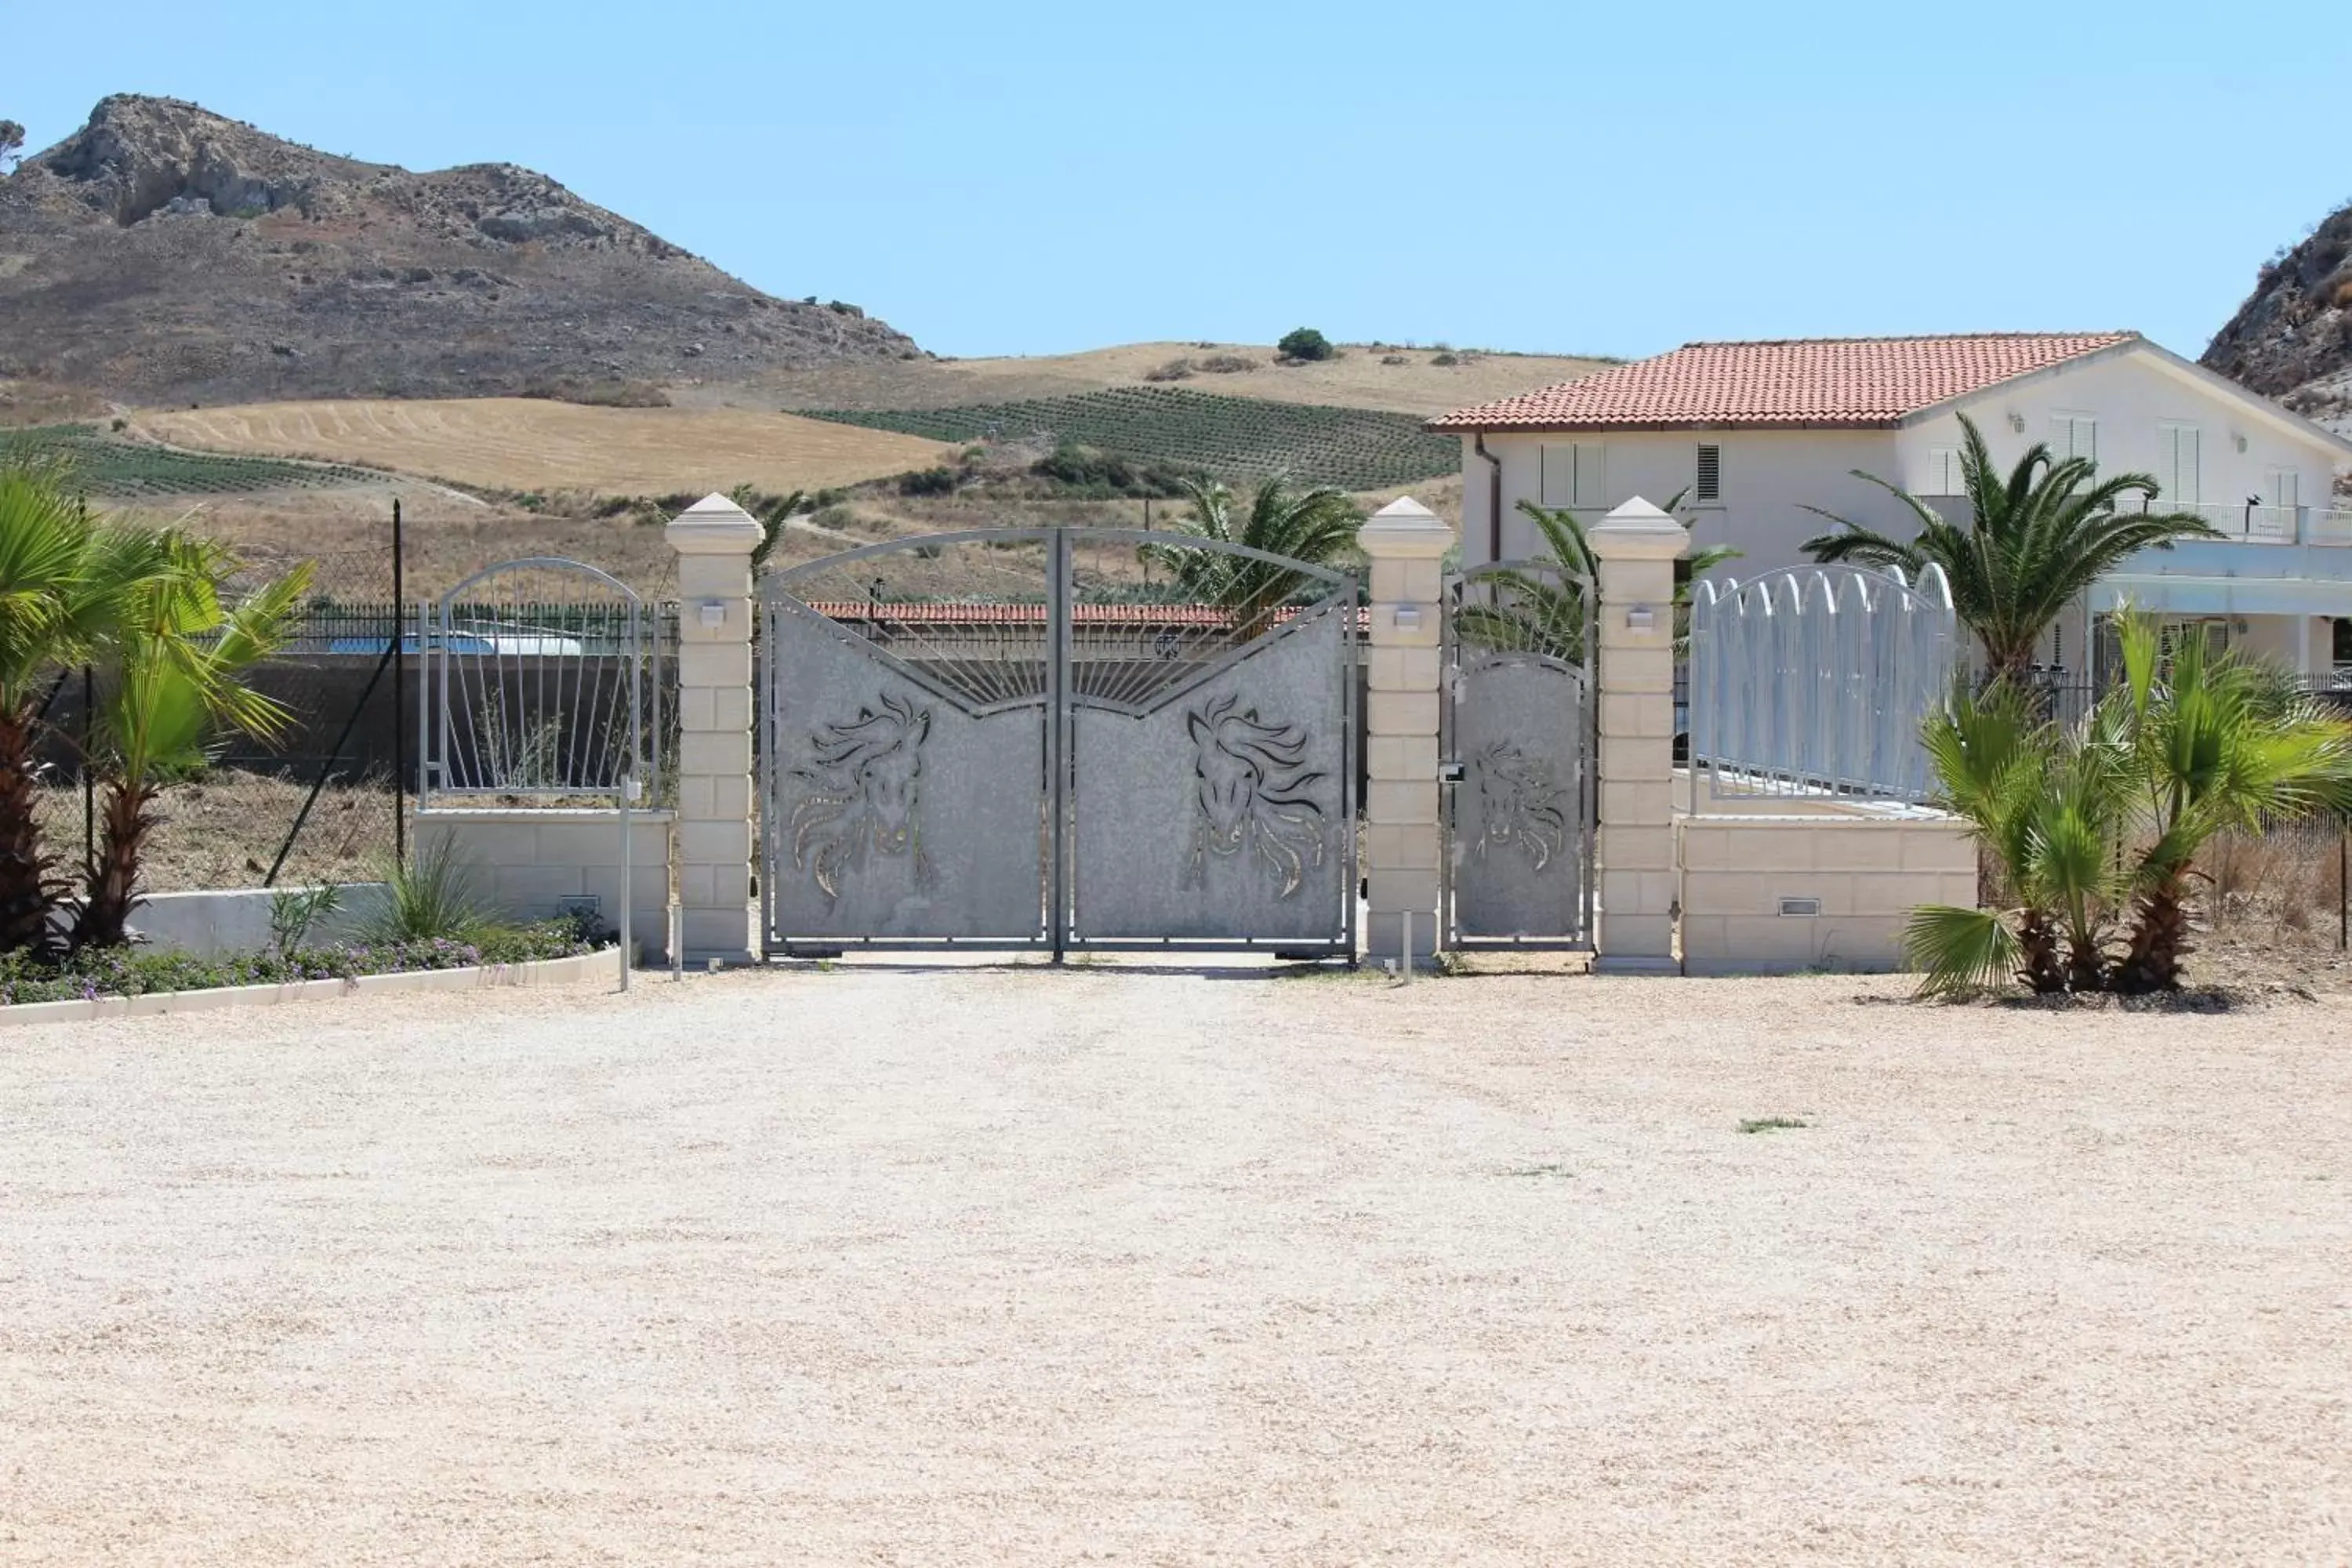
572,970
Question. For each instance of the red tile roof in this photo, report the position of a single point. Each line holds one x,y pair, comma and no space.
1798,382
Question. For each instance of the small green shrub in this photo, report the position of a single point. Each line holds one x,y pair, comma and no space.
1174,370
294,910
1447,359
1306,344
430,899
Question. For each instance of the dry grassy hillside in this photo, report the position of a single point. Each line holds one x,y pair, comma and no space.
528,444
1358,379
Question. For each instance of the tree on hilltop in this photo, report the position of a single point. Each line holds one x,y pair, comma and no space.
1304,345
12,138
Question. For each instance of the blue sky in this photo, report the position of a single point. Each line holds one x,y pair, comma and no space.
1037,178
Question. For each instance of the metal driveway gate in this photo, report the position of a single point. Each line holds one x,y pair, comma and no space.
1517,719
1058,739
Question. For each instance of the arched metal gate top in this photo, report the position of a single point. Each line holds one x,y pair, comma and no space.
542,684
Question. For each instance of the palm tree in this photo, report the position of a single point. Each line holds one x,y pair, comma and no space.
2033,542
175,677
2091,825
2006,772
1316,525
1544,612
2217,741
65,583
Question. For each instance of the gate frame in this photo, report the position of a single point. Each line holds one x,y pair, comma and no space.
1057,795
1585,730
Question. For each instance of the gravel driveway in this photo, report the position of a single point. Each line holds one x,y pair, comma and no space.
1004,1265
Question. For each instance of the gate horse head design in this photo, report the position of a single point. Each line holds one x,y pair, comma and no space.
1253,791
865,793
1518,803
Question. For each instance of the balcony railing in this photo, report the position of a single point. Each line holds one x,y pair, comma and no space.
2252,524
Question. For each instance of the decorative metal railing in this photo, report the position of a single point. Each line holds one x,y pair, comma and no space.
1813,681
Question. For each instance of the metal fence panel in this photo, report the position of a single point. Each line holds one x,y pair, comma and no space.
1814,680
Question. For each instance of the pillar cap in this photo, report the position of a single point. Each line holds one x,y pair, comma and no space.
714,526
1638,530
1404,529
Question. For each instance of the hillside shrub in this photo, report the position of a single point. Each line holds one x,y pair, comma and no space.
1306,344
1448,358
1174,370
937,481
1225,364
1097,474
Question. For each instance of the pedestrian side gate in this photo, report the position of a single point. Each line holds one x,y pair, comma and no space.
1517,727
1058,739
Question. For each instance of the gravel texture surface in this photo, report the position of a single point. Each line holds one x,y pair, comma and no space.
1006,1266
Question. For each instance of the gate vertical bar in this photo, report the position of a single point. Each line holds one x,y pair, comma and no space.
766,792
1058,744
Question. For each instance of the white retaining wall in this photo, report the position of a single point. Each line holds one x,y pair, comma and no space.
236,919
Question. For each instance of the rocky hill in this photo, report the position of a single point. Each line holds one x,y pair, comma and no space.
2292,339
163,253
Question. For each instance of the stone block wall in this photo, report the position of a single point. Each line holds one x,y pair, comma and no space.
523,863
1864,872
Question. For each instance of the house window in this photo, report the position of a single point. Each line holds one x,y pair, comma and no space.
1710,473
1944,472
2285,488
2178,466
1572,475
2074,436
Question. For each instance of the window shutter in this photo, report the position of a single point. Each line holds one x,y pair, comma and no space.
2070,435
1592,486
1710,472
2286,488
1556,480
1944,471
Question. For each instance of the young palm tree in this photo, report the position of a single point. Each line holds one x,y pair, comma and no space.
1544,612
174,677
2001,768
2033,542
2091,824
2216,742
1316,525
65,582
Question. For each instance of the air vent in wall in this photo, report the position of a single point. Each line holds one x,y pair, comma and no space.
1801,906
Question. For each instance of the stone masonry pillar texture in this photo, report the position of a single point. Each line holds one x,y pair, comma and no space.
714,540
1407,543
1634,549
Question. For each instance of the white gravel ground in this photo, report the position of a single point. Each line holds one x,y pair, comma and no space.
1028,1267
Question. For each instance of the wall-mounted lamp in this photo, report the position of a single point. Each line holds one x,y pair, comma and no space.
1405,617
2238,441
1639,619
2017,423
711,612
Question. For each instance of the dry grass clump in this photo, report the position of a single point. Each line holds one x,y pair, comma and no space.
2287,883
223,831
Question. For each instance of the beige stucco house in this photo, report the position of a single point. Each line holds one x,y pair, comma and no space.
1755,432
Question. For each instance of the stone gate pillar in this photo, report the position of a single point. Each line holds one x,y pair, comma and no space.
714,539
1407,543
1635,548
